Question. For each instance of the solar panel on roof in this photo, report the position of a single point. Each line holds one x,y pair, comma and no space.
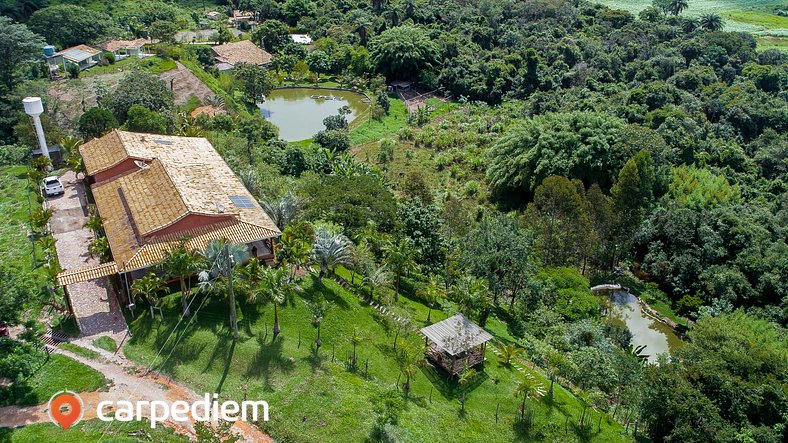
162,142
242,201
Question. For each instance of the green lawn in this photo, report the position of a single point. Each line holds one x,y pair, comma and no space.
91,431
374,130
106,343
756,16
57,374
15,247
317,399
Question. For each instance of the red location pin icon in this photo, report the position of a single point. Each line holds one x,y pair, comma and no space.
65,409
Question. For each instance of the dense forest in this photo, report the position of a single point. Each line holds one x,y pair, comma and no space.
580,145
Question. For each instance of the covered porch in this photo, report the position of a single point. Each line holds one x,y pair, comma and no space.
456,343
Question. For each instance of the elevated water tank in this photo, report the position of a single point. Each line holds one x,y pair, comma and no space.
49,50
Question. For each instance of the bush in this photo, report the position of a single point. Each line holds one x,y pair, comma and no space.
13,154
96,122
73,70
109,57
142,119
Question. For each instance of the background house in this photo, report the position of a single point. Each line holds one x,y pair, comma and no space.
126,48
230,54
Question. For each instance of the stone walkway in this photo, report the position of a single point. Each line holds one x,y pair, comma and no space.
95,304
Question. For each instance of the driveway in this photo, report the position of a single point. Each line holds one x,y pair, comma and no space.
94,302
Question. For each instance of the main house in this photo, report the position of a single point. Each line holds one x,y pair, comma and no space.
229,55
155,191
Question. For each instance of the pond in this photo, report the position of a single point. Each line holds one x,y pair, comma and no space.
299,112
656,336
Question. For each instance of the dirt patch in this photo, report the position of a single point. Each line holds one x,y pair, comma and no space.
184,84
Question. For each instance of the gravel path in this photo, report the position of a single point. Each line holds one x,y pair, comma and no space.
128,383
95,304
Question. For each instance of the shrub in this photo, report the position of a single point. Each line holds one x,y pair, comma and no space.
96,122
109,57
13,154
142,119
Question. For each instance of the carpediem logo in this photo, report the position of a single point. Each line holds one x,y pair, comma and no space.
66,409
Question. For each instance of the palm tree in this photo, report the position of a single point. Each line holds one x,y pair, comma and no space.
330,248
555,362
277,288
376,276
712,22
222,257
148,288
362,259
466,376
528,388
182,263
431,294
294,248
399,256
507,353
677,6
410,359
282,210
318,308
355,339
70,146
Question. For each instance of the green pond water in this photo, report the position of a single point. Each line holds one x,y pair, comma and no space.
299,116
625,310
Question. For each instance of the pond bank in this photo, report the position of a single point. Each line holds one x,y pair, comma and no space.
299,111
648,329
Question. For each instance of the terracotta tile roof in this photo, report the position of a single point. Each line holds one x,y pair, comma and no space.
114,45
180,176
77,275
243,51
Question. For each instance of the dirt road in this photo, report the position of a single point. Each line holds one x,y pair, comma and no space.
128,383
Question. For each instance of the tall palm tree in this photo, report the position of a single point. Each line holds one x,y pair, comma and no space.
676,7
330,248
410,359
432,293
376,276
712,22
295,246
555,362
277,288
528,388
222,257
182,263
148,288
282,210
399,256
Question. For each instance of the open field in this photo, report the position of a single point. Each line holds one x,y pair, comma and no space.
759,17
318,398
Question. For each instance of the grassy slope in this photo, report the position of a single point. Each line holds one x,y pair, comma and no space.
740,15
315,400
374,130
57,374
89,432
15,248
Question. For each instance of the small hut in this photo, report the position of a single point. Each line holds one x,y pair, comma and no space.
456,343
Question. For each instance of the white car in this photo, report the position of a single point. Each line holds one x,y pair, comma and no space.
52,186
